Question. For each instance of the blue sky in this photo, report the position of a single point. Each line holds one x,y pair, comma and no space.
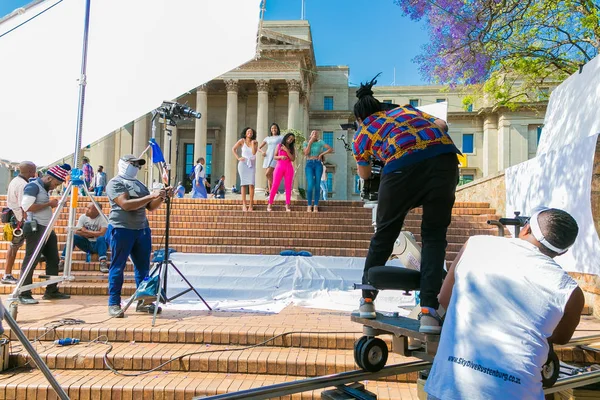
348,32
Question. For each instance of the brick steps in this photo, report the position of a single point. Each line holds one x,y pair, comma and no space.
139,356
92,384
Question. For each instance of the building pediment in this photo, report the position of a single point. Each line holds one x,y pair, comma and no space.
272,40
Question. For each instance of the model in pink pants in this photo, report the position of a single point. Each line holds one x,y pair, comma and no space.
283,170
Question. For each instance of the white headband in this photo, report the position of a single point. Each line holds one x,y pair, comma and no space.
537,233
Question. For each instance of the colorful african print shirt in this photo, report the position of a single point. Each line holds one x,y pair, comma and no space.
400,137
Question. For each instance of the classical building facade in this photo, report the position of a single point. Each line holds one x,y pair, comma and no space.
284,85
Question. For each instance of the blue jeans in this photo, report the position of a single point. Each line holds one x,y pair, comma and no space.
97,247
123,243
98,190
313,170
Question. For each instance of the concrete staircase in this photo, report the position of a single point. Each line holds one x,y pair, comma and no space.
218,364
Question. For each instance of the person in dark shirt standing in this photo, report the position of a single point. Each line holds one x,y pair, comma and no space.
130,236
38,206
421,169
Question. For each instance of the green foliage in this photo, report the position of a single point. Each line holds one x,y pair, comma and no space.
512,50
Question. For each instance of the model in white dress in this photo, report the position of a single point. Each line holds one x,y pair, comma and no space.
247,164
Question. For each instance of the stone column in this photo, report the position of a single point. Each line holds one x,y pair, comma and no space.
294,87
140,143
201,126
262,128
272,113
107,157
231,129
173,145
490,145
503,143
305,119
140,135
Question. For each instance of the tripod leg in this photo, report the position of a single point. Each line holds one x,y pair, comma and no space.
132,298
189,285
162,273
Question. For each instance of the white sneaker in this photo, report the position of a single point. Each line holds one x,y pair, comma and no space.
431,322
367,309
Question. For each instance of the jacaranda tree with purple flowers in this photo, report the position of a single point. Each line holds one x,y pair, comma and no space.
510,48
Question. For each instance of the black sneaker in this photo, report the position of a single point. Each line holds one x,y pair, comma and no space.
146,308
61,265
27,300
103,266
56,296
9,280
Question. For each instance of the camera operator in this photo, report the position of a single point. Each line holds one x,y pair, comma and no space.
421,169
130,235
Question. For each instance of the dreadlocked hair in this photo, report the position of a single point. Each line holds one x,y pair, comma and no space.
366,104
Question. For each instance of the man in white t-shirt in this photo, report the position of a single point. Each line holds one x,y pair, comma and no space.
27,170
89,236
506,299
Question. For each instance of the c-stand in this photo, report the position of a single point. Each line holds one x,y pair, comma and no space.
169,112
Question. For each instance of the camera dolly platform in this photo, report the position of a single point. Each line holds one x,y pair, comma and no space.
371,352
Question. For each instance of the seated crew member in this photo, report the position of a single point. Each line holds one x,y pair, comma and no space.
130,234
421,169
219,188
506,299
89,236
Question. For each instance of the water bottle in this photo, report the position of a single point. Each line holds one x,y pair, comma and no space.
66,342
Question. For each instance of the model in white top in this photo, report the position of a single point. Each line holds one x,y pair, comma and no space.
269,162
199,182
247,164
506,300
27,170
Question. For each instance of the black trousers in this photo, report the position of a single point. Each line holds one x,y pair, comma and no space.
50,251
431,184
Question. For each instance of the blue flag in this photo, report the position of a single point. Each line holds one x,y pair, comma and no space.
157,155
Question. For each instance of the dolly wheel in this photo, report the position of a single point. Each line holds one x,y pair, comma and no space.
373,355
357,347
550,370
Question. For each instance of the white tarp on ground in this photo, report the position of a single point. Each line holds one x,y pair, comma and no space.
270,283
561,174
141,52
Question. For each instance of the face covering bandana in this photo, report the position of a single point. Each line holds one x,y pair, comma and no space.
127,170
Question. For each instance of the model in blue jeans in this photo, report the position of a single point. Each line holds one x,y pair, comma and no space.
314,150
313,171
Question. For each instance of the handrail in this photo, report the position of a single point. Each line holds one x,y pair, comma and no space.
320,382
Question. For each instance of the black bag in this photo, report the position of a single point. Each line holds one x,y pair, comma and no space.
30,227
7,214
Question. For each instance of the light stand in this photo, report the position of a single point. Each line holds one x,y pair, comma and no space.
72,189
161,267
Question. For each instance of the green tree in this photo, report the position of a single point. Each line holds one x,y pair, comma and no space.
511,50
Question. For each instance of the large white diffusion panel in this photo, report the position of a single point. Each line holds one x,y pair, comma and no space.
141,52
561,173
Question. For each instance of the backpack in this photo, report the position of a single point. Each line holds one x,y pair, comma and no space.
192,175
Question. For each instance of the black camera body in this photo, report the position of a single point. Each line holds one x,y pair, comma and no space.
369,188
172,111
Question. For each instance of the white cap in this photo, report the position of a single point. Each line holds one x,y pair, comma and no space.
537,232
